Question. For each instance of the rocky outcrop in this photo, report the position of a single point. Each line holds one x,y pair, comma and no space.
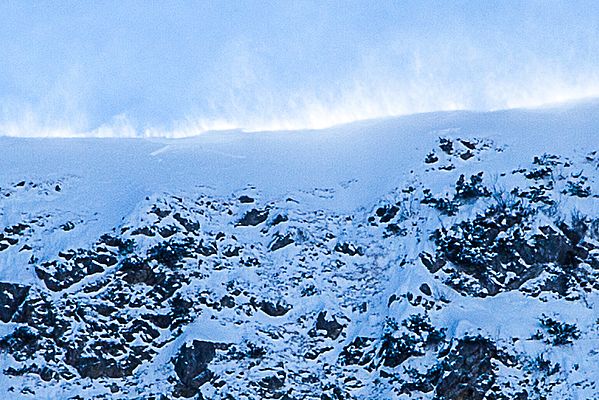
191,366
397,300
11,297
253,217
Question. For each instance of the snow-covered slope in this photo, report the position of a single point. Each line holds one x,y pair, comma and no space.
446,255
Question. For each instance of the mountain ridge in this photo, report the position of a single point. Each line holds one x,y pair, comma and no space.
444,256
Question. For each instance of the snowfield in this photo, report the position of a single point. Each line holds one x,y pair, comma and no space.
435,256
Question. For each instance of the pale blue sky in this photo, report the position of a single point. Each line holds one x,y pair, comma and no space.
180,67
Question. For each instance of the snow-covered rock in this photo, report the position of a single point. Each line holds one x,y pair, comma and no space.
436,256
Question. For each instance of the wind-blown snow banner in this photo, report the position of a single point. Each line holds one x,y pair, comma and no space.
181,68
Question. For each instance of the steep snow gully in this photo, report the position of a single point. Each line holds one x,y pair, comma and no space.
435,256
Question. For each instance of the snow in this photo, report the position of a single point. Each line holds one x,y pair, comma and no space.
114,174
344,170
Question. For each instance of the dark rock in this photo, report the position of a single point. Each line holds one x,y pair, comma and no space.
161,321
69,226
231,251
255,351
46,374
535,194
467,144
11,297
331,392
253,218
245,199
67,255
426,289
191,365
578,189
432,264
499,242
102,364
466,155
189,226
159,212
332,328
444,205
546,159
17,229
448,167
394,230
167,231
105,309
279,219
273,382
37,311
274,309
394,351
107,260
561,333
58,275
431,158
349,249
281,241
207,250
539,173
172,252
386,213
21,344
228,301
142,329
358,352
134,271
446,145
146,231
315,352
471,190
471,372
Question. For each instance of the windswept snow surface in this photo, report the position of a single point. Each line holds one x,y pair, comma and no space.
444,255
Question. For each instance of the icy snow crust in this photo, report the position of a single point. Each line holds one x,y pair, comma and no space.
436,256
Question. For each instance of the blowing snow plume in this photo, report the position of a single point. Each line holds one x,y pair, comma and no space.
442,255
150,70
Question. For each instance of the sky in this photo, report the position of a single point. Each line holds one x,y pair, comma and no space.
180,68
